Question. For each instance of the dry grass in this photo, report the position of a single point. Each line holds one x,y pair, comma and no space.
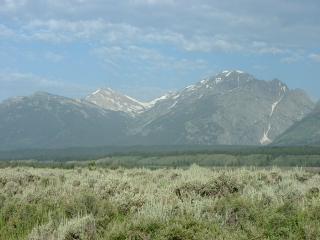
197,203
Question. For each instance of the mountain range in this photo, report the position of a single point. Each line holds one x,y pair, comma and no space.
43,120
230,108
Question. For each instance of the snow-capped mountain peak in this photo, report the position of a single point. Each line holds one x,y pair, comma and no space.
230,73
169,95
108,98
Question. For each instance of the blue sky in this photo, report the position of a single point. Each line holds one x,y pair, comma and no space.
145,48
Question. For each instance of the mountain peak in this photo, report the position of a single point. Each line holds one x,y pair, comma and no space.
229,72
104,91
228,75
110,99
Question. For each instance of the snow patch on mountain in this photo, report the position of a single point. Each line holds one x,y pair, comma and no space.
274,105
173,105
204,81
170,95
228,74
265,138
96,92
109,99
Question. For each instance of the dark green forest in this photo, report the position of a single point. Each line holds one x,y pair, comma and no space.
164,156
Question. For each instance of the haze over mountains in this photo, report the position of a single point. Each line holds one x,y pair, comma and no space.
231,108
43,120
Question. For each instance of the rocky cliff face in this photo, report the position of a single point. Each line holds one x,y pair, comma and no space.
230,108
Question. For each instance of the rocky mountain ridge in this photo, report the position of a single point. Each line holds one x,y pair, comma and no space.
230,108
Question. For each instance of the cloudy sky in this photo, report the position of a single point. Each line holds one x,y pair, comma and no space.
147,47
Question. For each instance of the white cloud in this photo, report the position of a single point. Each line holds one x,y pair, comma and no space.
117,56
315,57
100,31
92,31
291,22
293,57
23,84
12,5
6,32
261,47
156,35
58,31
210,44
22,78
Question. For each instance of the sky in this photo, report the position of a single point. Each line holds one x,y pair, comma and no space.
145,48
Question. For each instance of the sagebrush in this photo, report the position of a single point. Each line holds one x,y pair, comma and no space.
195,203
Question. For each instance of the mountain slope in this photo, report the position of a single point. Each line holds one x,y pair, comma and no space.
304,132
49,121
112,100
231,108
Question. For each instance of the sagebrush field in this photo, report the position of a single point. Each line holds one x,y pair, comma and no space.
195,203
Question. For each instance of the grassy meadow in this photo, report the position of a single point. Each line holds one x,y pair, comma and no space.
143,204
